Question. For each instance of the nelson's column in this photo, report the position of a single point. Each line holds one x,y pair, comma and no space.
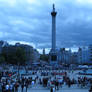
53,52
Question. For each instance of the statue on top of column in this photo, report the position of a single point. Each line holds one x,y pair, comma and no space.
53,7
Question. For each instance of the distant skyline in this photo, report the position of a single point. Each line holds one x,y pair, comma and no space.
29,21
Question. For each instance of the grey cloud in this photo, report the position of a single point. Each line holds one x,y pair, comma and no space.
32,22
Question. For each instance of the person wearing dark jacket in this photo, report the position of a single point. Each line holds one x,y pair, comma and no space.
22,87
56,85
51,89
90,90
3,87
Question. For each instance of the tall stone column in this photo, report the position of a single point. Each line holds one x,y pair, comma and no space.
53,14
53,53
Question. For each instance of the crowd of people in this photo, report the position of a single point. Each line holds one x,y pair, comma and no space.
51,80
10,85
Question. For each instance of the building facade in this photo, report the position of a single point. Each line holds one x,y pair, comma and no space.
90,53
65,56
83,55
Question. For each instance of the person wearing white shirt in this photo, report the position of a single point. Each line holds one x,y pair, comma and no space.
7,88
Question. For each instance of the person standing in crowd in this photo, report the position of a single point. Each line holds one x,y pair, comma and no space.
23,80
7,88
26,85
11,88
52,89
56,85
90,90
3,87
69,83
33,83
22,87
16,87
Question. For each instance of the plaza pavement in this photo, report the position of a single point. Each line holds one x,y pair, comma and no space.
39,88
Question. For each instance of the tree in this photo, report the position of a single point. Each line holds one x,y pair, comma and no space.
44,57
2,59
14,55
20,55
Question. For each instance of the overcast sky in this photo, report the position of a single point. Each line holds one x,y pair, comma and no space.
29,21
